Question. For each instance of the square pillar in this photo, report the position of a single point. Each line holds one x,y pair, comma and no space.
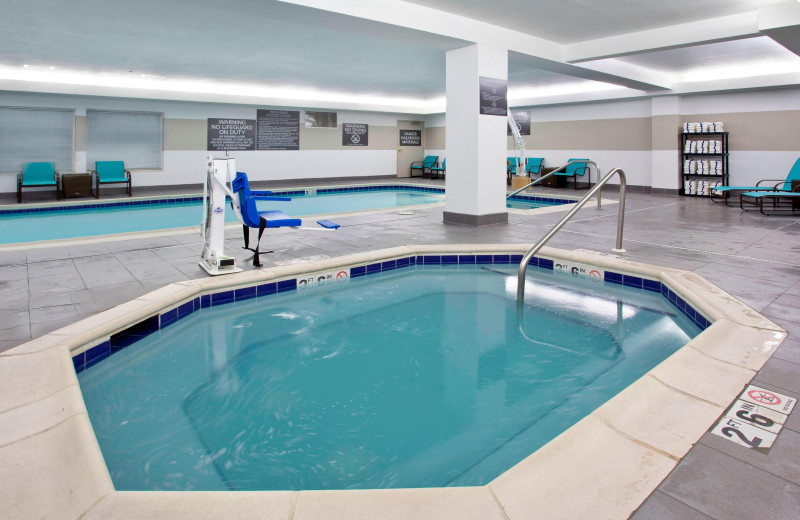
476,144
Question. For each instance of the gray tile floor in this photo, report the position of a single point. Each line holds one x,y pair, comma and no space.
755,258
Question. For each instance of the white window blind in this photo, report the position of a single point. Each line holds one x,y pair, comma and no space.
36,135
135,138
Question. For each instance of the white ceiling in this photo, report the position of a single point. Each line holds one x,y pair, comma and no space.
378,54
569,21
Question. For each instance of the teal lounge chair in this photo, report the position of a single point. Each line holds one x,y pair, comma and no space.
439,170
424,166
783,202
575,170
111,172
724,192
36,175
533,165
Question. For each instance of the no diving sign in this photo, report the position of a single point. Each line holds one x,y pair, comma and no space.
770,400
756,418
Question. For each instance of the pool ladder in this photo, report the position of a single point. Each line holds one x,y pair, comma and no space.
523,266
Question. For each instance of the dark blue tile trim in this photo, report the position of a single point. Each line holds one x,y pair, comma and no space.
287,285
245,293
144,328
223,297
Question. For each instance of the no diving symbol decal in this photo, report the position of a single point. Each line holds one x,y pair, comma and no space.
341,275
594,273
764,397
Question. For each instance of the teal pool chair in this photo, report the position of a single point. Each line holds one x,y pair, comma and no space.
439,170
424,166
37,175
783,202
724,192
511,168
111,172
533,165
575,170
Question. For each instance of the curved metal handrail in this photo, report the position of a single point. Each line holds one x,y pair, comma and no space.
523,266
543,177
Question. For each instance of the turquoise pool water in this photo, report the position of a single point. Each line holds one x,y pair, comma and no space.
72,223
156,215
421,376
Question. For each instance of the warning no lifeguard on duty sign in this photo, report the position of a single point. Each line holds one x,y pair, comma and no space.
756,418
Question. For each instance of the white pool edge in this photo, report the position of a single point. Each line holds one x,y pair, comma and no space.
605,466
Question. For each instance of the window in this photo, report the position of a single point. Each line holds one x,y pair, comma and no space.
320,119
135,138
36,134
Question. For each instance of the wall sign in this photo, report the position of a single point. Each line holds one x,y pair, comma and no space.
523,120
278,129
231,134
493,100
355,134
410,137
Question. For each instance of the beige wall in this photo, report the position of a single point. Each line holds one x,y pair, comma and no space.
80,133
435,138
631,134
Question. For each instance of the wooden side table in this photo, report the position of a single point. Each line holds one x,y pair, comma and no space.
76,184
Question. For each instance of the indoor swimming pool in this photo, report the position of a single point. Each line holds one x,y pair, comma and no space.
31,224
375,382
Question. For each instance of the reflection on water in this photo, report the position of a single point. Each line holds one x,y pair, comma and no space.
423,377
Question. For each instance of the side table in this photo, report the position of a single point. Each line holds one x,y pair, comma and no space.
76,184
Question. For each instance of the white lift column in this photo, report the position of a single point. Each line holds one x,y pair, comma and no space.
219,173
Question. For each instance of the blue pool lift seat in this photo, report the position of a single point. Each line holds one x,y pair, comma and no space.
253,218
37,175
425,165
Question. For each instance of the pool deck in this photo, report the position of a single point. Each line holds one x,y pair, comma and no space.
752,257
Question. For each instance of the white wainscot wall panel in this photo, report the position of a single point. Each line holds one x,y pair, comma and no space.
188,167
635,164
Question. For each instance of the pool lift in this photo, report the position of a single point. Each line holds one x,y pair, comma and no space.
519,144
221,181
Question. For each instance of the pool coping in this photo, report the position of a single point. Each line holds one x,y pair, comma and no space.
53,465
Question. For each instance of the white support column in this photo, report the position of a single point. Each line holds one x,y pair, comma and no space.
665,156
476,145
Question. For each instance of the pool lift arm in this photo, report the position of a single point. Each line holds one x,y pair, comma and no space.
220,174
519,147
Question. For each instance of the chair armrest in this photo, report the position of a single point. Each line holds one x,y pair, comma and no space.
421,163
770,180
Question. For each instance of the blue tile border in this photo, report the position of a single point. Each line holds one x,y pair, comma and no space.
155,323
655,286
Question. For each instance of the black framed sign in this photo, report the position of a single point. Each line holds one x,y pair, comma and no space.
355,134
493,100
278,129
523,120
231,134
410,137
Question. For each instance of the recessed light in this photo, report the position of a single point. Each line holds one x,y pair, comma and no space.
38,67
151,76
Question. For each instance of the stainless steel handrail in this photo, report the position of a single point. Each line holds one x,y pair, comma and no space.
543,177
523,266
